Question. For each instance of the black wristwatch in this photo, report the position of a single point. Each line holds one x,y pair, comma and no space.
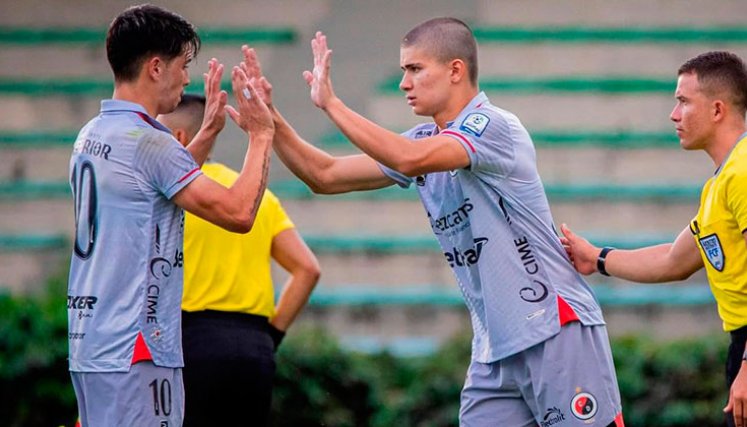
602,259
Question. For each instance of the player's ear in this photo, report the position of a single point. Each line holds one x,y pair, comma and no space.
458,70
718,110
181,136
154,67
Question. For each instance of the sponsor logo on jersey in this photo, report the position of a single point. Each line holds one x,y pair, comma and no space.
457,219
466,257
423,133
536,291
474,124
552,417
81,302
713,251
584,406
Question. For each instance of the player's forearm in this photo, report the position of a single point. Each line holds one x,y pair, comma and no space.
246,192
201,145
653,264
384,146
307,162
295,295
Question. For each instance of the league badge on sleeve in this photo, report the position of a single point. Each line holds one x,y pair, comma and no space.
713,251
475,124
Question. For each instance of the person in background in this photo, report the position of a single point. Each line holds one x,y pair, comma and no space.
709,115
540,351
131,181
231,327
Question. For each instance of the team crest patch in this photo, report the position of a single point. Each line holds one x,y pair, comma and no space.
475,124
713,251
584,406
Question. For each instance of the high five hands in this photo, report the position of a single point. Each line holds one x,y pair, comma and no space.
318,79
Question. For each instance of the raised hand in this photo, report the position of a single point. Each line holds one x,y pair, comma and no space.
583,254
253,69
318,79
215,99
252,115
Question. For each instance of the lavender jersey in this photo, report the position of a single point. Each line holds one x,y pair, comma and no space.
493,223
126,269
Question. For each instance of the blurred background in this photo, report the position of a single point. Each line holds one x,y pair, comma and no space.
593,82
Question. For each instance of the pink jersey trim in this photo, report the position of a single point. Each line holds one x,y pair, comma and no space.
466,141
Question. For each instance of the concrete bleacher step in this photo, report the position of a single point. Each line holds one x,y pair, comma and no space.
90,61
417,320
597,50
633,13
642,103
231,13
666,209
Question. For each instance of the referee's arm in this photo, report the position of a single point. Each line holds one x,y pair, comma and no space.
290,251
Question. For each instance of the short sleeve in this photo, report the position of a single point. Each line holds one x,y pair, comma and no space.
487,138
164,164
402,180
736,197
279,220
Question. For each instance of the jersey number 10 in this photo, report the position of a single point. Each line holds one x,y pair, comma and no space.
83,181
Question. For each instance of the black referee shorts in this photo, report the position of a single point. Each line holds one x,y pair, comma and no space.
229,367
734,361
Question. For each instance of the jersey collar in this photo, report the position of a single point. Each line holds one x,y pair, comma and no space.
726,159
117,106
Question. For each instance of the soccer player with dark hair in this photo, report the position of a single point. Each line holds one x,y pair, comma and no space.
709,115
231,327
540,351
130,181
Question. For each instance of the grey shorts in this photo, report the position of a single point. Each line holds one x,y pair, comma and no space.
147,395
568,380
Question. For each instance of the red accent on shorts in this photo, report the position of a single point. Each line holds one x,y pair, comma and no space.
77,423
619,420
460,136
188,175
565,312
141,353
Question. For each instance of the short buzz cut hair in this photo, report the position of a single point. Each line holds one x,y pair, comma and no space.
446,39
144,30
188,114
720,73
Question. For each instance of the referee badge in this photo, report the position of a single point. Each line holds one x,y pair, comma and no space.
713,251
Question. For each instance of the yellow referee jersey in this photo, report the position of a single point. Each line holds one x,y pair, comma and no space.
228,271
718,228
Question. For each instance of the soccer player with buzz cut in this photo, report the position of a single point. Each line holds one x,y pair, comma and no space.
540,351
709,115
130,181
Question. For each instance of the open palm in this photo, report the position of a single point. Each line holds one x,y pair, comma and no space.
318,79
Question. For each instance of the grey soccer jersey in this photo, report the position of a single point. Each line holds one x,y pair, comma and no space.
493,223
126,268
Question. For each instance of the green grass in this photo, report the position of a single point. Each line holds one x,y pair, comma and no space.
97,36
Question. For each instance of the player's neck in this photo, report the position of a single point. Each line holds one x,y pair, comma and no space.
136,93
724,142
456,104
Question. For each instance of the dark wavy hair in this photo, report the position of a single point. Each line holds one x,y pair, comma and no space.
143,31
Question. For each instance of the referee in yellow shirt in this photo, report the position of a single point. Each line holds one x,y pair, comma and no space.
709,115
230,324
